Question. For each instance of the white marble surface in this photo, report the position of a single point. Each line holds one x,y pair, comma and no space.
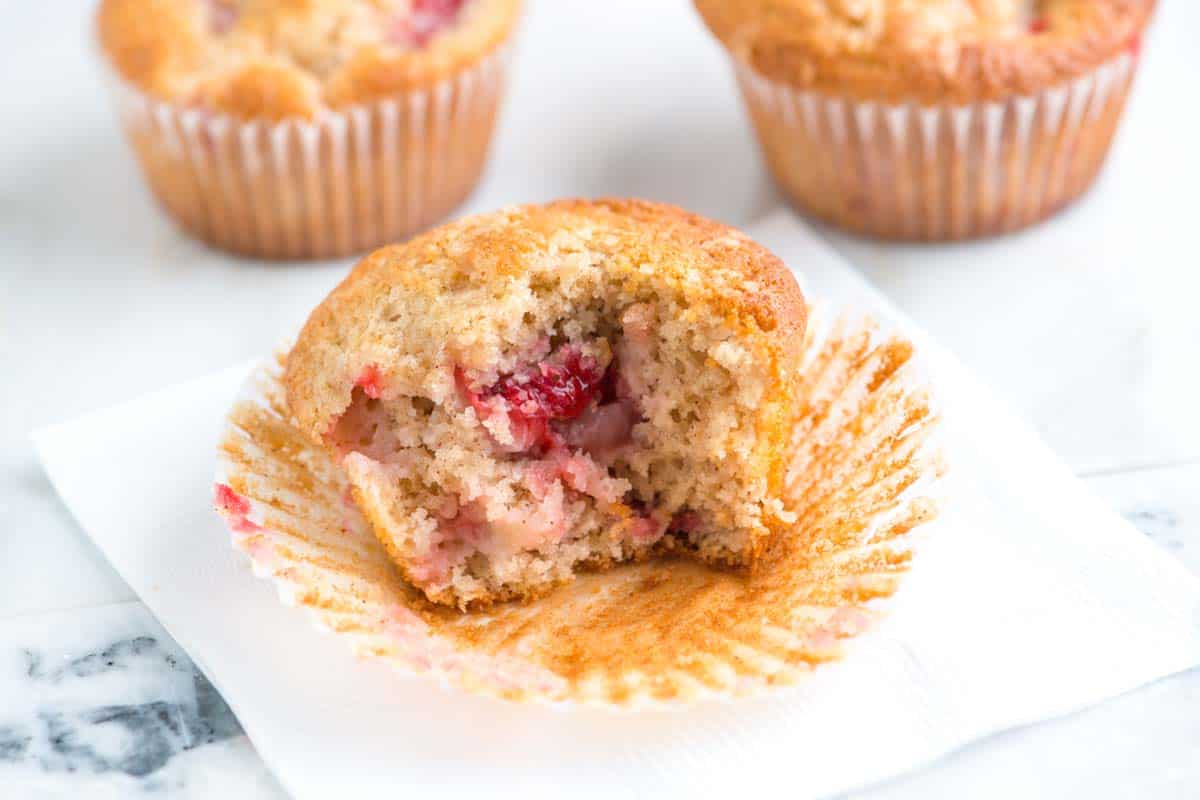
102,703
1086,326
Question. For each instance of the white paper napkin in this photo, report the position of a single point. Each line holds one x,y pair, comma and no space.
1030,599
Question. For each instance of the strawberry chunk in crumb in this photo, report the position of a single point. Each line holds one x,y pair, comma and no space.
222,16
230,501
646,529
685,522
557,389
236,509
370,380
424,21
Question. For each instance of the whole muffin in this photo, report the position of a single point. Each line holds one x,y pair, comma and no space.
933,119
307,128
522,394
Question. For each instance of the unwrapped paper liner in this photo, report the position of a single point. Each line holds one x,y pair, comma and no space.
650,634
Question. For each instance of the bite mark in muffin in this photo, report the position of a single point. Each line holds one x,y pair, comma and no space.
567,387
424,20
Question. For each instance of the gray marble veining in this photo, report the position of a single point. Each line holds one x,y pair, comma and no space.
146,735
105,695
1162,502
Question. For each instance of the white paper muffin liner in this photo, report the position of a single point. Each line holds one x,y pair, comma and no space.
933,173
345,182
652,634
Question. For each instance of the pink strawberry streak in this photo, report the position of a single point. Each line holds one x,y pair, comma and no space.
235,508
250,537
422,649
462,528
645,530
370,380
650,526
584,475
222,15
230,501
425,20
412,635
576,470
849,621
350,516
1134,45
465,528
686,522
434,567
844,623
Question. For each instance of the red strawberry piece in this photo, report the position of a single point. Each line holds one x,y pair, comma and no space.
426,19
370,380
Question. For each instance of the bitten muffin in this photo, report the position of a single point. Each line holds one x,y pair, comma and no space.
522,394
307,128
933,119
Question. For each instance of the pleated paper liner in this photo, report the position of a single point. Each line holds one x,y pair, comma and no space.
657,633
345,182
907,171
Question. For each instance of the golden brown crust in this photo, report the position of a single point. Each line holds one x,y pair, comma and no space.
286,58
148,41
932,52
266,90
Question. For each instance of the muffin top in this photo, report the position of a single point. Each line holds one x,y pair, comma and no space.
505,258
279,59
926,50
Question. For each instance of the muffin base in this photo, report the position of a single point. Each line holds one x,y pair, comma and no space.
936,173
343,183
664,632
